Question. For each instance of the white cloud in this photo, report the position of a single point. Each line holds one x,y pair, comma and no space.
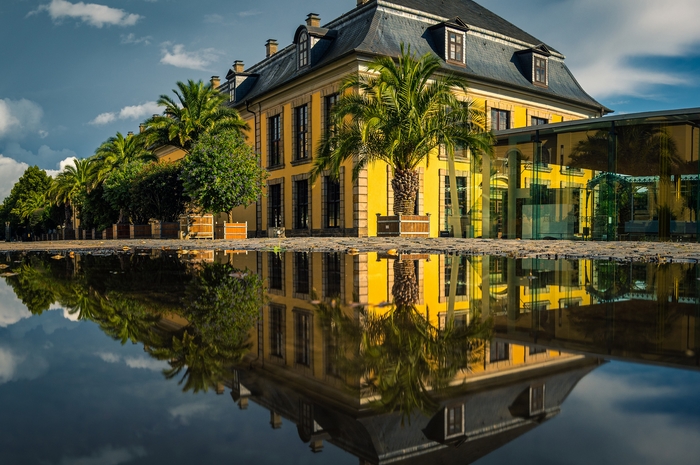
246,14
107,456
132,39
175,55
213,18
8,365
90,13
10,172
18,117
186,411
132,112
146,363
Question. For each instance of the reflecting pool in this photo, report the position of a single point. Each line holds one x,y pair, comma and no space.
153,356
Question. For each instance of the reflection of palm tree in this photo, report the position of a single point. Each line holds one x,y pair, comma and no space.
402,357
641,151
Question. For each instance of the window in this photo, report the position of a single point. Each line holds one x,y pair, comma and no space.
277,331
303,49
275,270
459,261
455,46
461,197
454,420
274,137
275,206
540,71
301,141
301,272
500,119
332,202
329,103
500,351
534,350
301,204
536,399
539,121
302,335
332,274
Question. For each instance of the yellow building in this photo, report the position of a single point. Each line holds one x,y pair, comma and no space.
286,99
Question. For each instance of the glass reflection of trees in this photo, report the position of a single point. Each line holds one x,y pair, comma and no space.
130,297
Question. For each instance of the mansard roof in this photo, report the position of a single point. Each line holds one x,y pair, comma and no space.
379,27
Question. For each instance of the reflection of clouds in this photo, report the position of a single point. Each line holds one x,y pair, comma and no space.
15,366
134,362
107,456
146,363
8,365
12,309
108,357
186,411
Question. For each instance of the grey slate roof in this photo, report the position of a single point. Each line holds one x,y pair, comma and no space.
380,26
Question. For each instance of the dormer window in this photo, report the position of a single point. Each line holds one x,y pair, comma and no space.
455,46
540,70
303,49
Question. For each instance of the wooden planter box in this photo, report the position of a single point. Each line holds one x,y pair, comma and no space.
235,231
160,230
121,231
140,231
403,225
108,233
197,226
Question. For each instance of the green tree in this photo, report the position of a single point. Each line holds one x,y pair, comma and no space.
158,192
199,109
70,183
117,189
402,112
27,196
222,172
119,151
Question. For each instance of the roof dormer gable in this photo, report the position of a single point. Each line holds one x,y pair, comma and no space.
450,39
534,64
312,41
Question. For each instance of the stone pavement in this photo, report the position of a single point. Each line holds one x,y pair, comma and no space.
657,252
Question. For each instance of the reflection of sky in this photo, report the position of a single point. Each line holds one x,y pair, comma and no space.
618,414
69,395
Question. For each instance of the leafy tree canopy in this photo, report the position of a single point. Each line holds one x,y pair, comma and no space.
222,172
26,193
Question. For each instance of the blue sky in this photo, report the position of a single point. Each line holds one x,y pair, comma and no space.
74,73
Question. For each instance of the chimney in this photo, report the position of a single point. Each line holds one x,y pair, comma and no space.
270,47
142,127
313,20
238,66
129,134
361,2
215,81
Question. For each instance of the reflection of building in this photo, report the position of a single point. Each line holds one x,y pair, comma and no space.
294,370
286,99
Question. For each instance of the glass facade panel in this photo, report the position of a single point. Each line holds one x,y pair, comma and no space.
605,179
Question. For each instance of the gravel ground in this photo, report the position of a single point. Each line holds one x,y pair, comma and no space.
659,252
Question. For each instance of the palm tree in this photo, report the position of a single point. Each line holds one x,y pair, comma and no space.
118,151
401,114
199,109
70,182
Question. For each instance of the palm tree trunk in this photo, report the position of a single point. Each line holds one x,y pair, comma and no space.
405,185
405,289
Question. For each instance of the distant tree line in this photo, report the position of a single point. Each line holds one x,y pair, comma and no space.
123,182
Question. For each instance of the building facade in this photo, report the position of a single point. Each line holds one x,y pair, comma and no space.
286,99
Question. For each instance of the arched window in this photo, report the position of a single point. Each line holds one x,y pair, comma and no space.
303,49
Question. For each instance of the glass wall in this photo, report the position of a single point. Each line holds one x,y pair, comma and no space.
607,179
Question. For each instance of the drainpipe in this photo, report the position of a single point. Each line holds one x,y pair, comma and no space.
258,211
